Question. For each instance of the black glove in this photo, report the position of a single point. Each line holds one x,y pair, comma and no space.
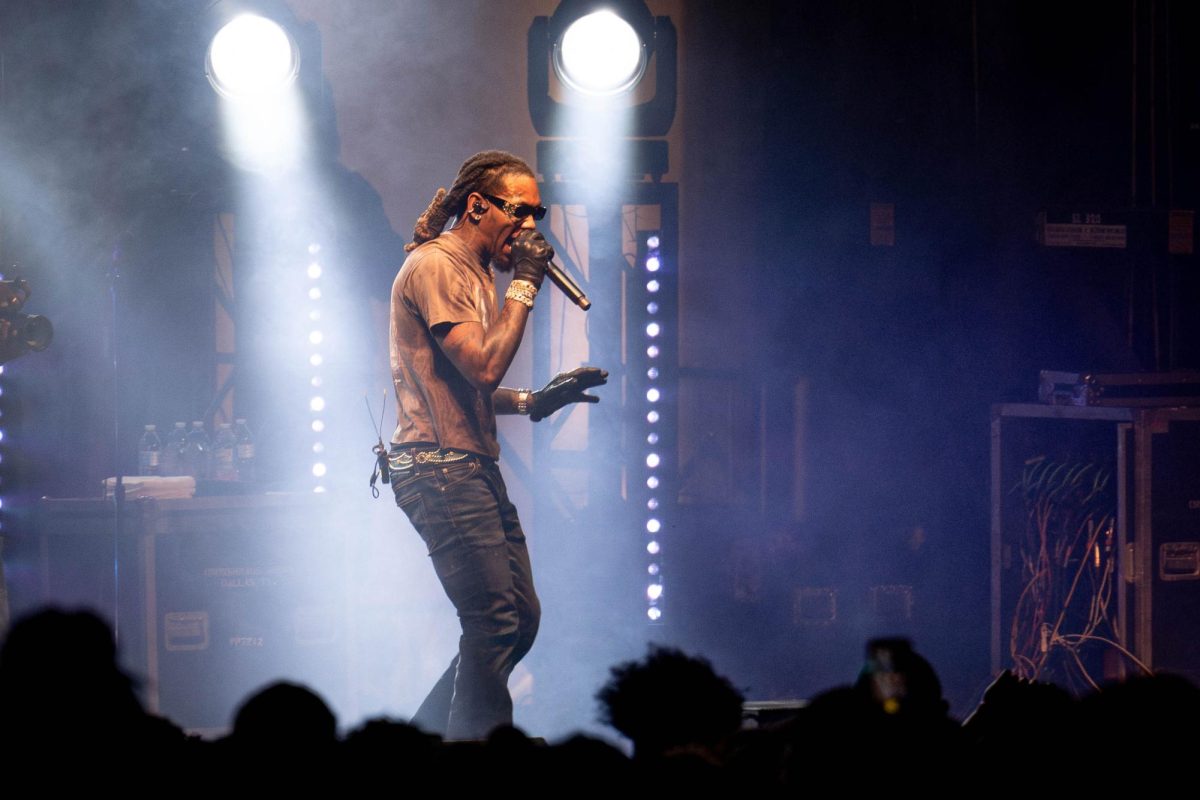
567,387
530,255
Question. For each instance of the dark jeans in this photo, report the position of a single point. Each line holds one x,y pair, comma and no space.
475,541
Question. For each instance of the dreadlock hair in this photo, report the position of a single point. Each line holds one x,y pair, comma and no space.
482,172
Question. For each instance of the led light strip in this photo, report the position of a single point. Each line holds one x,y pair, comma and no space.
316,337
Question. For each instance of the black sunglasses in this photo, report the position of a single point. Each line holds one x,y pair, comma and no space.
517,212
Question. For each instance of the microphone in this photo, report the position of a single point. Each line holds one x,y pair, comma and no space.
563,281
556,274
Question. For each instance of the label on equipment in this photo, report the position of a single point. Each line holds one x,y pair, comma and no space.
1082,230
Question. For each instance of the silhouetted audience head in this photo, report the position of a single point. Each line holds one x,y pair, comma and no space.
670,700
1018,714
59,673
900,680
285,716
380,735
381,749
1156,714
63,692
583,755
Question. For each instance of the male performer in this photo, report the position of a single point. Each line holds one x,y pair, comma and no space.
449,350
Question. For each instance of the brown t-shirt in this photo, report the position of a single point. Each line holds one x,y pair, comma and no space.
441,281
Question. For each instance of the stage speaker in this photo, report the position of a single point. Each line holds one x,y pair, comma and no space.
218,596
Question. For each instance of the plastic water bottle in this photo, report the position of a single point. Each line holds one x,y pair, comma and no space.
172,452
150,452
244,451
197,452
224,465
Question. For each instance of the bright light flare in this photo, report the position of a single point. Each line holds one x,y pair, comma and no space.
600,54
251,57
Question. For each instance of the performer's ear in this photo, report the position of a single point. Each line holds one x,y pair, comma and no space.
477,209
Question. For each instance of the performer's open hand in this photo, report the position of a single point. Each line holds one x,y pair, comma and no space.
567,387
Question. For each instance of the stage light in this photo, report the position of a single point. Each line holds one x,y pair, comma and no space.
654,614
652,548
600,54
657,301
251,57
611,56
316,337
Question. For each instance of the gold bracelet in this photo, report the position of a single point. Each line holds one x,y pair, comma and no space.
521,291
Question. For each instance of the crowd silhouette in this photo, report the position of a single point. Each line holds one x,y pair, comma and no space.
71,716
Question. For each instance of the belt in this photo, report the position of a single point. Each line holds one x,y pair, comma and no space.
406,457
